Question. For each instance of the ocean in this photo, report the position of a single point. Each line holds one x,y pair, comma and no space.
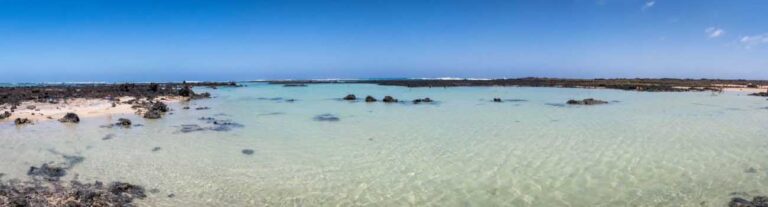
310,148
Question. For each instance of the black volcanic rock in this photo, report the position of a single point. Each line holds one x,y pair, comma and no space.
370,99
47,172
123,122
70,118
588,101
5,115
496,99
389,99
22,121
422,100
153,114
350,97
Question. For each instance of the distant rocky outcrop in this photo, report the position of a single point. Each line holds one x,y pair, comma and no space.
589,101
57,93
350,97
370,99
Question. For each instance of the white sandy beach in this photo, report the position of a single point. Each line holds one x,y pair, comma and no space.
37,112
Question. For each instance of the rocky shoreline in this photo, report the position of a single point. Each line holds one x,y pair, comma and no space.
57,93
67,103
649,85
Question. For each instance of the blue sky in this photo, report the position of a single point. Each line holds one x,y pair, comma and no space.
138,40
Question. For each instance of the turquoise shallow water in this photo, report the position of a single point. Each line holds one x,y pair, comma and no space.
643,149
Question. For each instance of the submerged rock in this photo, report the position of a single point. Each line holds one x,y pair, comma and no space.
326,117
187,128
350,97
757,201
497,100
588,101
47,172
123,122
70,118
22,121
108,137
247,151
389,99
202,108
422,100
156,149
159,106
152,115
370,99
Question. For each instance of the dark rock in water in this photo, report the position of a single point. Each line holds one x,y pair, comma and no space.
750,170
389,99
740,202
350,97
70,118
154,191
185,108
73,160
588,101
152,115
186,91
123,122
326,117
159,106
760,201
22,121
422,100
108,137
202,108
370,99
763,94
290,100
50,173
120,188
248,151
496,99
186,128
5,115
515,100
556,104
757,201
156,149
171,195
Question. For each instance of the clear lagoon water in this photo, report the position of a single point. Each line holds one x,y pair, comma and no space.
643,149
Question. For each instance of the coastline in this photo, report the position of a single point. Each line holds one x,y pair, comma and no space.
29,104
83,107
638,84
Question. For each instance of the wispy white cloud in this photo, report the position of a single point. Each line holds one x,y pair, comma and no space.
648,5
754,40
714,32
